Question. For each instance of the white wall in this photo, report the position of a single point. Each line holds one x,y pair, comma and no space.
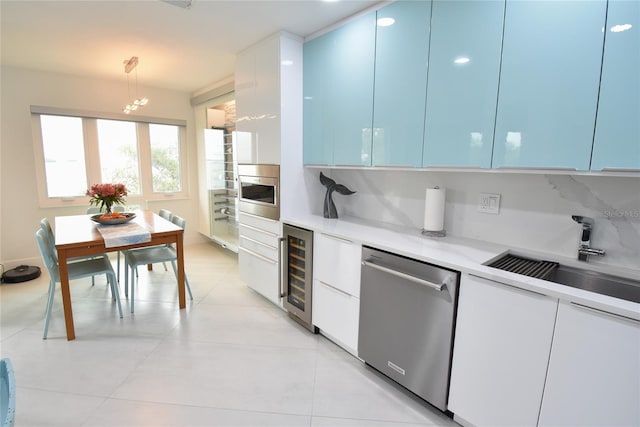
20,88
535,211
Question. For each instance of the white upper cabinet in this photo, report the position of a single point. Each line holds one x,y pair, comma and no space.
261,94
617,138
462,90
549,80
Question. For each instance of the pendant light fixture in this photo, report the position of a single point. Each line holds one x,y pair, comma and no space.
130,65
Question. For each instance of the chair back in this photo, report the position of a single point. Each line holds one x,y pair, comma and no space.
45,225
48,257
7,393
179,221
166,214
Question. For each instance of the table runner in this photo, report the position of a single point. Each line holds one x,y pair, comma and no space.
126,234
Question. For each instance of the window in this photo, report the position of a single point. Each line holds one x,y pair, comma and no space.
62,144
75,151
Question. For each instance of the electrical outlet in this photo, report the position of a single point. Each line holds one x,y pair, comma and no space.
489,203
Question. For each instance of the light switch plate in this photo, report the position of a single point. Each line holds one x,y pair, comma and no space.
489,203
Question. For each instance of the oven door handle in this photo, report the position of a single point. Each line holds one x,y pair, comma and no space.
436,286
281,241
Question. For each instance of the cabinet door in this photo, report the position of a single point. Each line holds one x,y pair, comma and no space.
594,370
337,263
267,101
337,314
402,50
502,344
617,139
338,94
462,89
260,273
552,52
245,106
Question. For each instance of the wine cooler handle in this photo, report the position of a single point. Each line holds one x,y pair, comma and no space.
281,241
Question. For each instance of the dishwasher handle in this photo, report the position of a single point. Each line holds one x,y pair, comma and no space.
436,286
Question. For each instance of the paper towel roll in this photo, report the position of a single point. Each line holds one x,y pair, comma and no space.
434,202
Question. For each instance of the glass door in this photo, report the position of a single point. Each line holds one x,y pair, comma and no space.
297,268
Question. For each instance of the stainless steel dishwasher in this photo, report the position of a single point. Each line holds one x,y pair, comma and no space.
407,316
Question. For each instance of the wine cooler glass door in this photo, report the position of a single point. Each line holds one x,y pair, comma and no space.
298,272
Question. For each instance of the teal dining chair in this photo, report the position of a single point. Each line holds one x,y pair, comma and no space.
152,255
46,226
7,393
77,270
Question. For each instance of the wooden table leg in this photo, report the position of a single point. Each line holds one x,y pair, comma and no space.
180,254
66,294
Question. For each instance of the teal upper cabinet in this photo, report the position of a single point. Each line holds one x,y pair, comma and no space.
552,52
338,94
402,50
462,90
617,137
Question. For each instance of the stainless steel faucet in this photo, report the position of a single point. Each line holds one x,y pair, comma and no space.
585,249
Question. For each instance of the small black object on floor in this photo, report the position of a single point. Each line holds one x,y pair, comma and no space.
21,273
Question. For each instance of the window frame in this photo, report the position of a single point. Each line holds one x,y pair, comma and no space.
92,156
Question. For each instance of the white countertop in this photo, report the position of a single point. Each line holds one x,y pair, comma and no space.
468,256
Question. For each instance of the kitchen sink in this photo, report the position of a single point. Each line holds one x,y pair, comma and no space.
588,280
618,287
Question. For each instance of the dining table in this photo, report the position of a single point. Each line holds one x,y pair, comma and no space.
79,235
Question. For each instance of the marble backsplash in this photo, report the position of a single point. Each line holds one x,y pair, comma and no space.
535,210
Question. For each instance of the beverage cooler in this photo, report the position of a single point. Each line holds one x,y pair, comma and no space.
297,274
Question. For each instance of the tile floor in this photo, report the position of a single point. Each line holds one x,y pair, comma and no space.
231,358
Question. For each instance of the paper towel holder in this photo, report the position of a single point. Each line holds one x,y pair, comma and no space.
434,233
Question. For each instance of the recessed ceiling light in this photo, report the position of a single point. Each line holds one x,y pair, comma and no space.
462,60
620,28
385,22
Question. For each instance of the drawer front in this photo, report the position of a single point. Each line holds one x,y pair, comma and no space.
268,225
260,274
336,314
262,236
260,248
337,263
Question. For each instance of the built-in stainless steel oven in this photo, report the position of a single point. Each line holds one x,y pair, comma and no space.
259,190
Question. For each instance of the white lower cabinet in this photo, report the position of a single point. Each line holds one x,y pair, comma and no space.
259,273
337,314
594,370
258,255
501,352
336,289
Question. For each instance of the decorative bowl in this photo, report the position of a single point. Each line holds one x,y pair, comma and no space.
124,217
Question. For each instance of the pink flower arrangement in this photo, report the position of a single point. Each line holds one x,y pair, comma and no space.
106,195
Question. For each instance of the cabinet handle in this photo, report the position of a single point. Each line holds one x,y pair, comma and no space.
539,294
260,230
340,291
620,170
336,238
535,168
396,166
258,242
606,313
281,240
257,255
258,217
436,286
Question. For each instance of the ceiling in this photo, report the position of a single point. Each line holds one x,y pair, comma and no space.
180,49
